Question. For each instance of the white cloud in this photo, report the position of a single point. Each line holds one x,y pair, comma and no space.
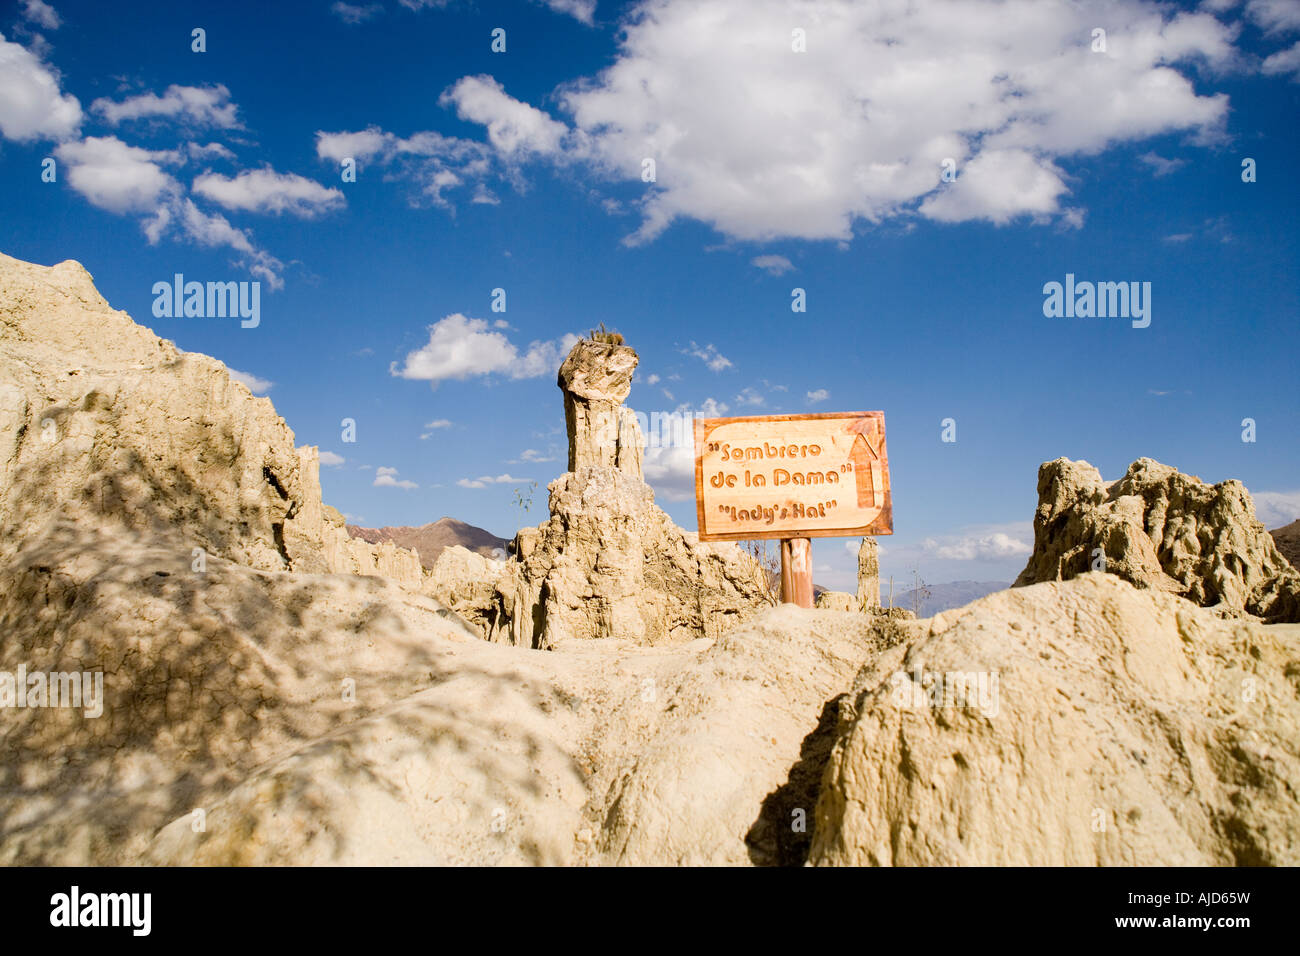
210,151
999,185
761,142
1284,61
115,176
356,145
512,127
1275,16
439,423
461,347
1160,165
671,471
258,386
709,355
773,265
127,179
31,105
266,191
197,106
581,10
216,231
437,164
652,379
982,544
355,13
484,480
750,396
387,478
531,456
42,14
709,408
817,395
578,9
331,460
1276,508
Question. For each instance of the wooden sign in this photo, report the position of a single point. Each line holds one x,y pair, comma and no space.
792,476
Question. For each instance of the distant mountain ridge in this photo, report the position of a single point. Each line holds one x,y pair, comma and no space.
943,597
430,540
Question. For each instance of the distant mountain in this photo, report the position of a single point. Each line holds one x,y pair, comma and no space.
429,541
942,597
1288,542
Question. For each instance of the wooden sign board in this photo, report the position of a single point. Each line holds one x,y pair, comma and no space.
792,476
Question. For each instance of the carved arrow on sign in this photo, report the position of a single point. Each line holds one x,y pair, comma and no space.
862,455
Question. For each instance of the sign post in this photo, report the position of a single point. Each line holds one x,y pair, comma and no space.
794,478
796,571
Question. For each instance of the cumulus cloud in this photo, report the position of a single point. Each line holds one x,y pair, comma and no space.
210,151
513,127
42,14
195,106
999,185
31,104
439,423
709,355
259,386
1276,508
773,265
331,460
387,478
460,347
763,142
817,395
437,164
355,13
581,10
214,230
1275,16
670,471
531,456
1161,166
484,480
266,191
1284,61
750,396
127,179
115,176
981,544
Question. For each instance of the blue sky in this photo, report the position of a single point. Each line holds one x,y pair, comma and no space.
776,169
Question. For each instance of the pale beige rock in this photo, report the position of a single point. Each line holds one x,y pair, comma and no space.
610,563
596,378
330,718
868,574
1125,728
837,601
207,675
466,582
721,768
1160,529
107,426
